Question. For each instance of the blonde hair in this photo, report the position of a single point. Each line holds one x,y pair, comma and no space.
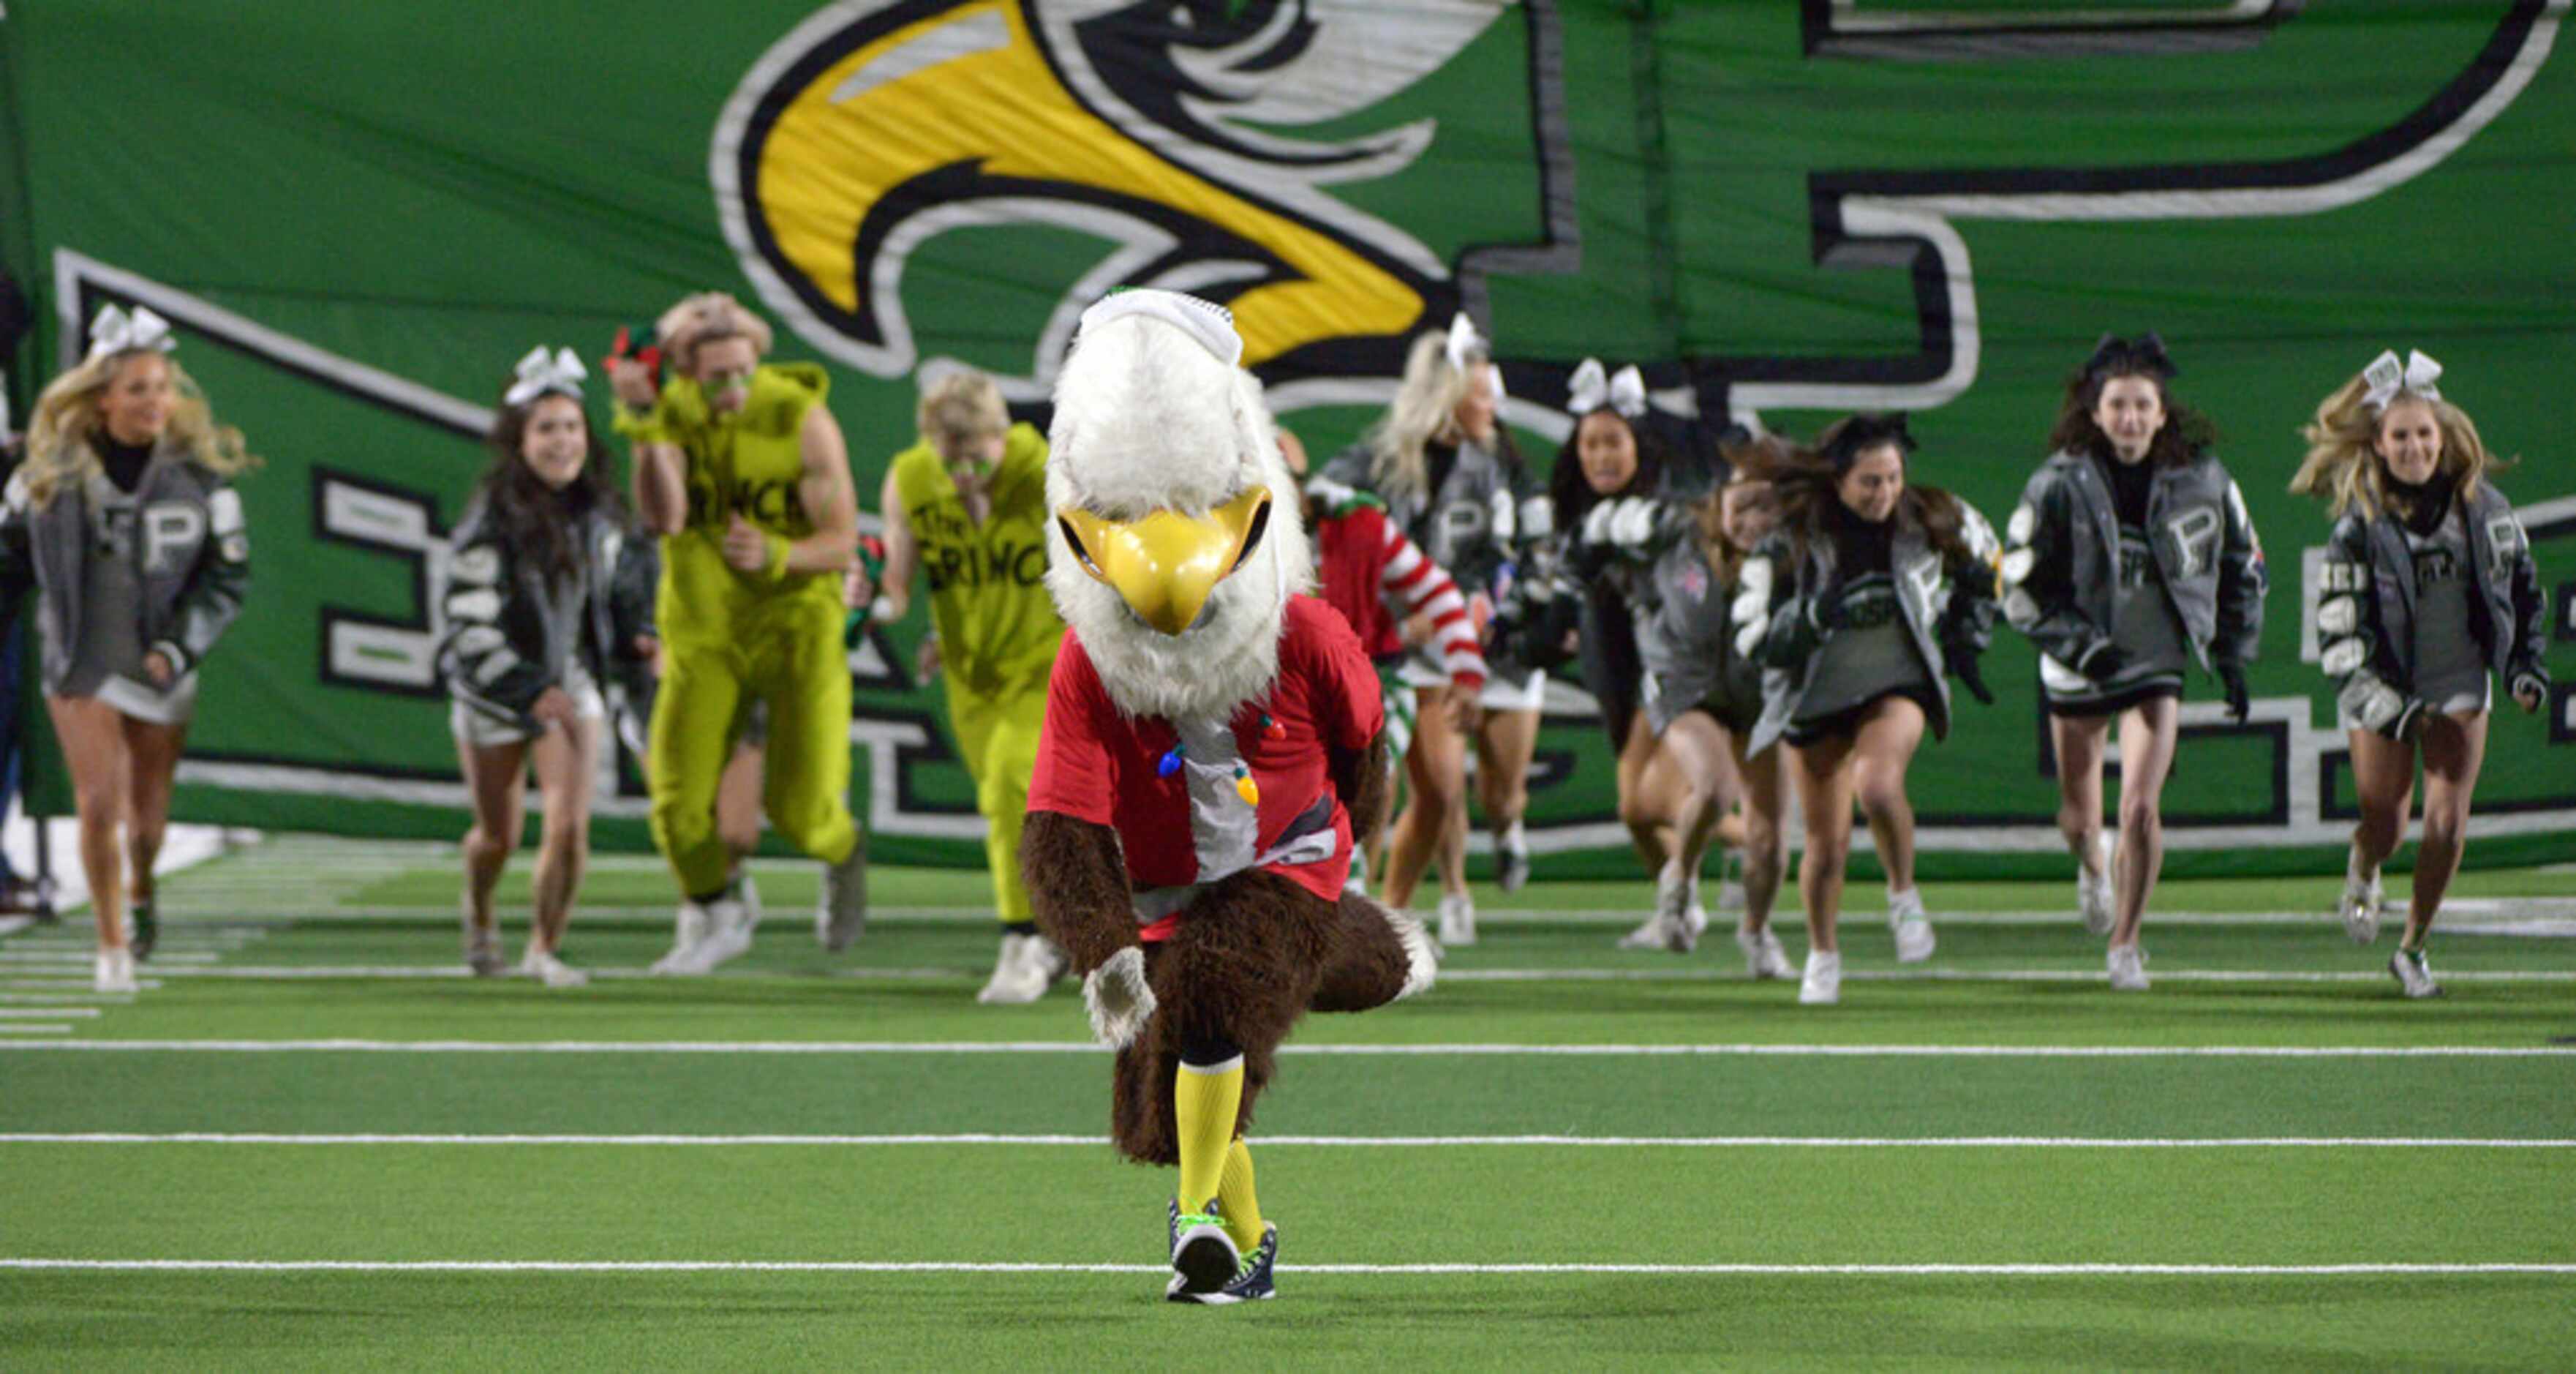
59,447
1425,405
705,318
2343,465
964,404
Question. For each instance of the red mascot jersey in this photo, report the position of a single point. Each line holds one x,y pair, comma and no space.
1178,824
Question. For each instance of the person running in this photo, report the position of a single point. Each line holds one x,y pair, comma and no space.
123,520
968,504
1699,700
1455,485
743,473
529,637
2129,559
1871,594
2429,587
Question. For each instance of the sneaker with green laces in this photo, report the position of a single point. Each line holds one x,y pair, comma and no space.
1252,1275
1204,1259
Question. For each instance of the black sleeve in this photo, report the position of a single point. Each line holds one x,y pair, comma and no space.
484,669
213,599
2241,585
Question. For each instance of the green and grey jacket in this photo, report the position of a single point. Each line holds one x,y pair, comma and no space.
2366,610
1948,605
2061,564
507,633
191,550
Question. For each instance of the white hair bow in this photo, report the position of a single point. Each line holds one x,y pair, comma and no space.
2386,377
1593,387
1465,344
540,374
114,331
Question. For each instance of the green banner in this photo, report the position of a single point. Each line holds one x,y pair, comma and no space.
358,216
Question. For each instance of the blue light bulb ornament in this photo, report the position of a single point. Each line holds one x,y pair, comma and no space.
1170,763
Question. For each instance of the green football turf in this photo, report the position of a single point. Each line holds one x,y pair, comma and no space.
2271,1103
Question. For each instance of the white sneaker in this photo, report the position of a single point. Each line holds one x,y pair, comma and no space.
2360,904
1027,967
482,944
1673,908
1649,934
1912,928
1457,919
2128,965
1763,957
115,971
729,922
2414,976
842,912
1512,859
2096,897
688,932
543,966
1823,985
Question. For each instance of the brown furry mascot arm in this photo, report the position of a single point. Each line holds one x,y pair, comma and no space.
1366,786
1077,883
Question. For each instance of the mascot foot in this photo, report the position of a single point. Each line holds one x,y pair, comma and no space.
1204,1260
1252,1276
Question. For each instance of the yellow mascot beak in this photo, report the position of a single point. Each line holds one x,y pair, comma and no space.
1167,565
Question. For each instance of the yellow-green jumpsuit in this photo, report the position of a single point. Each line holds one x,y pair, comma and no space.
998,631
730,638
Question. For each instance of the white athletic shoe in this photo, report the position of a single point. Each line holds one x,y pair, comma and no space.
1912,928
1512,859
688,932
115,971
842,913
543,966
1823,985
2360,904
482,944
729,922
1763,957
2096,897
1457,919
1027,967
2414,976
2128,965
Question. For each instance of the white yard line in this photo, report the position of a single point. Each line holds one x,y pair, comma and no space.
864,1047
28,1028
440,972
1414,1142
50,1013
121,1266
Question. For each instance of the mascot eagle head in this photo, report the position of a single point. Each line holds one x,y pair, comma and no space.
1177,538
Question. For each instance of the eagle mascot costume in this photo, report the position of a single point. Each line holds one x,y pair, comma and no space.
1214,741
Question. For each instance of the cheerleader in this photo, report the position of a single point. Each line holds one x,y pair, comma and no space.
1453,483
123,521
531,633
1870,595
2429,586
1700,701
2129,559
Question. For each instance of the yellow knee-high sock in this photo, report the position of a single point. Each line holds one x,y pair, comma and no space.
1234,1194
1205,1099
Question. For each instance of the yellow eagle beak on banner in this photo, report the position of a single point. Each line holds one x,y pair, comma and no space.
971,89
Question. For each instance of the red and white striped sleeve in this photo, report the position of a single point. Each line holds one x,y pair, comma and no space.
1411,580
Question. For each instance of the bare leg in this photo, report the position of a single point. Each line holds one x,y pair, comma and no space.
2383,775
1697,746
93,741
1649,823
1435,771
2147,735
2455,747
1884,748
152,765
738,802
494,777
1766,843
1822,774
564,757
2079,743
1506,741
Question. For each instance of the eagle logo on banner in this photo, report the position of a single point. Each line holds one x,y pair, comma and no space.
1165,130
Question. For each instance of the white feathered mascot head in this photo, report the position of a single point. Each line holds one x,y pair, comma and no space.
1177,537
